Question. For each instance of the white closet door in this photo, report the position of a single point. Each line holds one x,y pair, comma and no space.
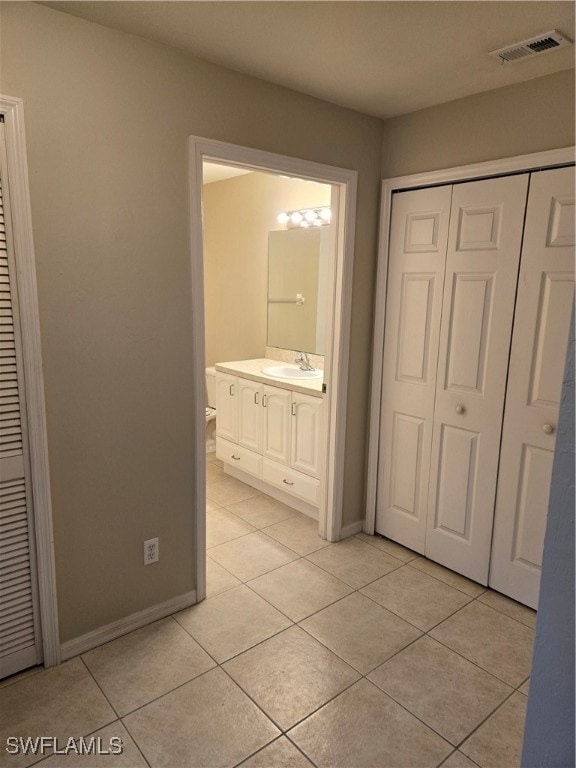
481,273
418,241
542,321
20,644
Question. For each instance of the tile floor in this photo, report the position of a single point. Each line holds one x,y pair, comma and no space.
305,653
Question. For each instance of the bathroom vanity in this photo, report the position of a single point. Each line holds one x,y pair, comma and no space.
268,431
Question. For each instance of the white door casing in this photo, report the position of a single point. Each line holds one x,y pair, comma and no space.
418,242
339,310
542,321
482,263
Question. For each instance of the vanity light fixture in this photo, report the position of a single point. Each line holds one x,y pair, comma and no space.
305,217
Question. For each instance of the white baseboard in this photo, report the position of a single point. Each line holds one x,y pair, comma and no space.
350,530
129,623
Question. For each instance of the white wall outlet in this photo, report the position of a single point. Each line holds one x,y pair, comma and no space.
151,551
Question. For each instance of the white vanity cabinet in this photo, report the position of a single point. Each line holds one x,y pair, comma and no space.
277,424
271,433
226,407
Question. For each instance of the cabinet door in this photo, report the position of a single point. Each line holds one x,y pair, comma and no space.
305,439
541,325
276,430
484,242
227,406
249,394
418,241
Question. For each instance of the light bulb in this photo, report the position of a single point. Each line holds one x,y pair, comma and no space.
283,218
326,214
310,215
296,217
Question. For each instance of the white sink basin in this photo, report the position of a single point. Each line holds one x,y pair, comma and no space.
290,372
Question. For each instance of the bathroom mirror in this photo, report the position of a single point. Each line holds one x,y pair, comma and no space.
298,288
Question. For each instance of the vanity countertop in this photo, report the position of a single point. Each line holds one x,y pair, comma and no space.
252,369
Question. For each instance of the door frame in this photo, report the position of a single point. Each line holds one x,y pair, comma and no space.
12,109
344,191
506,166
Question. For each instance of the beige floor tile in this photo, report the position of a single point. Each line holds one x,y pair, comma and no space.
224,489
135,668
218,579
206,723
511,608
290,675
391,547
299,589
261,511
458,760
525,687
498,742
222,526
361,632
354,562
299,533
450,694
130,757
252,555
231,622
416,597
20,676
495,642
280,754
364,728
61,701
447,576
211,506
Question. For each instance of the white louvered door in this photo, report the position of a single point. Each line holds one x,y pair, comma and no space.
20,643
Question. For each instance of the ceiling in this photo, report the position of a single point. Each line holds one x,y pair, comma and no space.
218,172
382,58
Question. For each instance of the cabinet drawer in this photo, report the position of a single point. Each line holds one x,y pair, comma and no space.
291,481
239,457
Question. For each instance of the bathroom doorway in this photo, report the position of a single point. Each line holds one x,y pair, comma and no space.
336,312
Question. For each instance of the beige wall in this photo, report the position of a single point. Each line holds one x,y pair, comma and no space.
107,121
238,215
516,120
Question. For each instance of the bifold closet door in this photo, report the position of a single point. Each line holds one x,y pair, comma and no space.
541,326
20,641
418,240
482,263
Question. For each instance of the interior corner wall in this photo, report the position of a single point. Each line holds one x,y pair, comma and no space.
108,116
519,119
238,215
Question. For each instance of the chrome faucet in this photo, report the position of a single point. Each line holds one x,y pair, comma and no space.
303,362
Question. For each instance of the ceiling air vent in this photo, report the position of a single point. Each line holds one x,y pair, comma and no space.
547,41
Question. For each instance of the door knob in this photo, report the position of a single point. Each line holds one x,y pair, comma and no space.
459,408
547,429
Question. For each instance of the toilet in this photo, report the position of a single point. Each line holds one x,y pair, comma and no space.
210,410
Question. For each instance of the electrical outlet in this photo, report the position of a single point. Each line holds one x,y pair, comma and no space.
151,551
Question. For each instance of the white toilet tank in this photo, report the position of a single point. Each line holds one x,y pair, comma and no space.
211,387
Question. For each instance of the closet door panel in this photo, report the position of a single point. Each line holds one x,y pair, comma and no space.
480,284
418,240
541,326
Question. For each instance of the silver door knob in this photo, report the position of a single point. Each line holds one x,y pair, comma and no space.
459,408
547,429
